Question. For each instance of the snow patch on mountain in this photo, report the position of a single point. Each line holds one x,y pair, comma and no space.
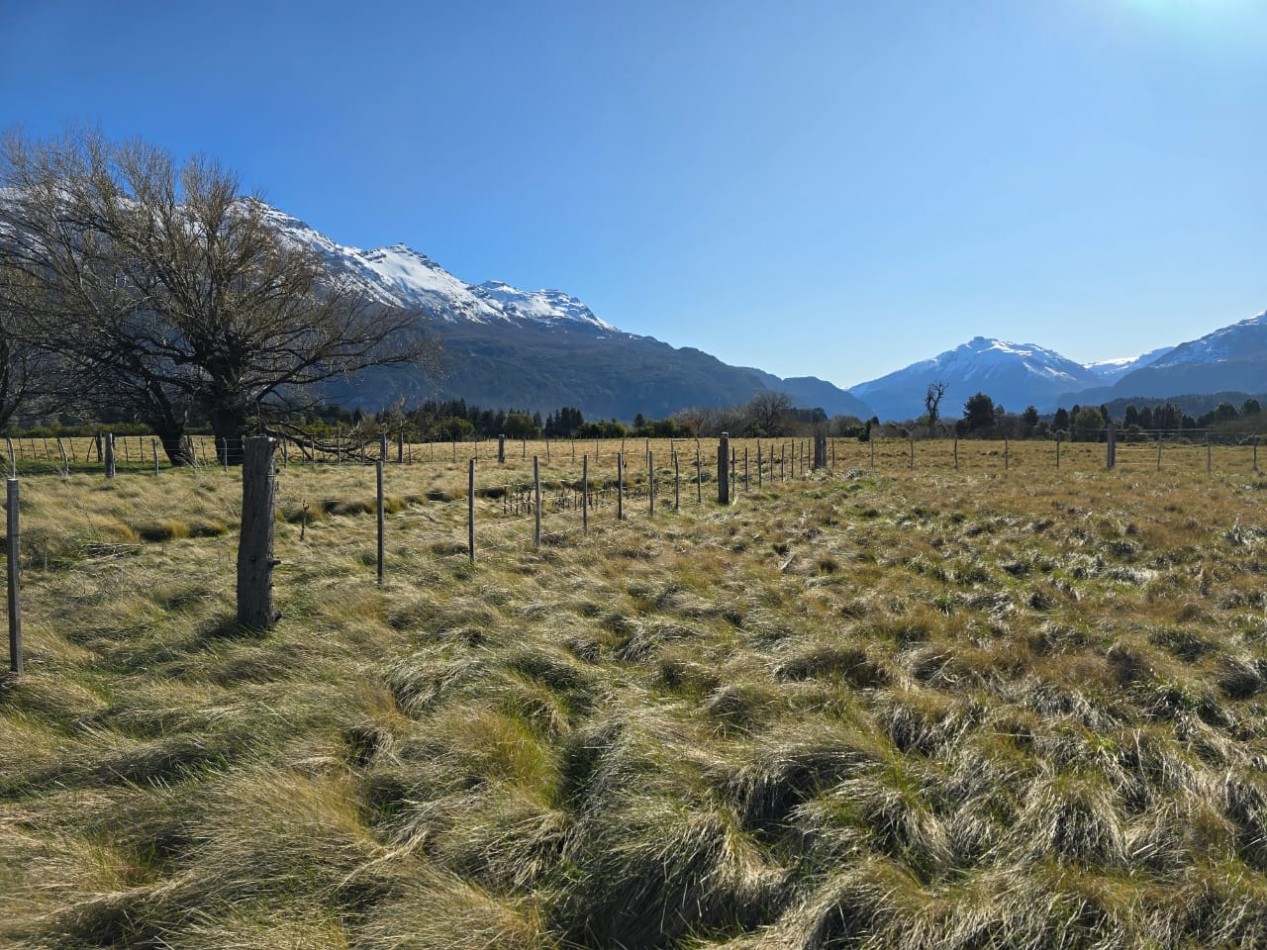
1233,342
547,306
402,277
1112,370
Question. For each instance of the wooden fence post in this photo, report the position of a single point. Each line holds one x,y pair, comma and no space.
1110,448
154,449
677,484
620,486
699,476
650,483
585,494
224,454
747,480
13,459
501,450
110,455
536,501
871,442
378,490
13,553
956,451
61,448
255,544
723,469
1159,451
758,463
400,447
470,509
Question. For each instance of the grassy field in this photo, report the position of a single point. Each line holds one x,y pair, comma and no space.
896,707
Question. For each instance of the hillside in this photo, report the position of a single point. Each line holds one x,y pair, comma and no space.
1015,375
535,350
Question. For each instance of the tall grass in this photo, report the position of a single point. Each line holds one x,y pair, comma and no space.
929,708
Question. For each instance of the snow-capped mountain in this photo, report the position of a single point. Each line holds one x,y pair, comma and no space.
1112,370
536,350
1016,375
1233,358
547,306
402,277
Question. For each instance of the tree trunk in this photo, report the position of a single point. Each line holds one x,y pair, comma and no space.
228,425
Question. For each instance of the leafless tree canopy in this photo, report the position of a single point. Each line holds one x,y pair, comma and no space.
169,294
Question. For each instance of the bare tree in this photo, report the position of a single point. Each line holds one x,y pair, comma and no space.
767,412
171,295
932,405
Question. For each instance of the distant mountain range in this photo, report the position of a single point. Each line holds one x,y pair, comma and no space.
1020,375
542,349
535,350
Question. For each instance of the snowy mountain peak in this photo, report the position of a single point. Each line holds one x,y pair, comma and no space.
400,276
547,306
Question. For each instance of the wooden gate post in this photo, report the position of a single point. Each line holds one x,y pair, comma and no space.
723,469
109,455
255,544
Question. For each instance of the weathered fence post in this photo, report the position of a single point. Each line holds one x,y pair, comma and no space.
585,494
378,491
699,476
747,480
677,484
820,450
650,483
400,447
1110,448
110,466
723,470
536,501
470,510
224,454
620,486
13,459
154,450
14,557
255,543
61,448
956,451
382,446
871,443
1159,451
758,463
501,450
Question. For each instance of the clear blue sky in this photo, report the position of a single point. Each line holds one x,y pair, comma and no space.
831,188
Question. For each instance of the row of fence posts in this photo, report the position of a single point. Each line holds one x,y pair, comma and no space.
255,561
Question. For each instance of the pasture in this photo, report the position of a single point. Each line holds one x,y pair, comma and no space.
890,705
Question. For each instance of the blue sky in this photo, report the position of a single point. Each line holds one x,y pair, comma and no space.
815,188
